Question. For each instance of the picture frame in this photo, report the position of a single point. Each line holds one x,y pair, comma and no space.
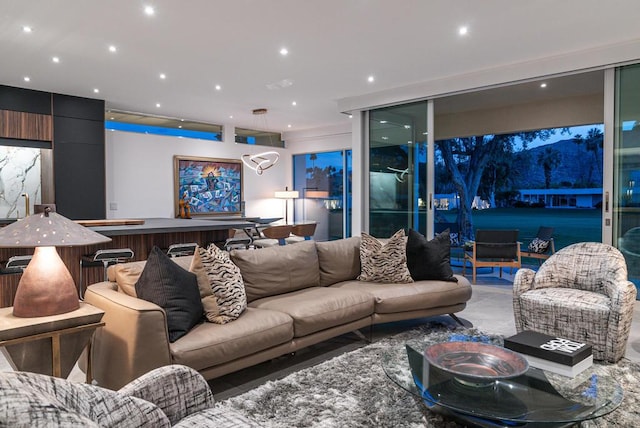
210,186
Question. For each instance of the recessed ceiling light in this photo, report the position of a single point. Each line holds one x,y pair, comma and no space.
218,87
230,117
180,126
284,52
111,118
158,105
27,29
371,79
543,85
293,103
96,90
463,31
27,78
163,76
112,48
350,116
55,59
149,10
289,126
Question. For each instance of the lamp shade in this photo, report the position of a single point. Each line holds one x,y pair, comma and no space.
47,229
287,194
46,286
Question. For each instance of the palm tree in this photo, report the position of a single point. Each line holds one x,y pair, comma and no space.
549,159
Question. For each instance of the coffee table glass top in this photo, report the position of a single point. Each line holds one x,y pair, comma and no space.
535,397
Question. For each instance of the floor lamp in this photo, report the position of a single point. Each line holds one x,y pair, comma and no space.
287,195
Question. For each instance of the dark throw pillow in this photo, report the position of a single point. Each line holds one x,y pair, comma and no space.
538,245
429,259
172,288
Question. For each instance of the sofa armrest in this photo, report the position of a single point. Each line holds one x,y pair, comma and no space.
134,339
177,390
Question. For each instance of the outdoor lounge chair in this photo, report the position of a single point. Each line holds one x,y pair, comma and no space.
493,248
542,246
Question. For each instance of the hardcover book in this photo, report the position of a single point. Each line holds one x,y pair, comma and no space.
550,348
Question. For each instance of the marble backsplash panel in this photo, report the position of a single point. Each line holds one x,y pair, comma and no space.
20,172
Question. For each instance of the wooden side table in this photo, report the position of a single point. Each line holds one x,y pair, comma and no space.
49,345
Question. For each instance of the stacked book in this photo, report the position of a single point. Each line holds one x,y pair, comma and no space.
555,354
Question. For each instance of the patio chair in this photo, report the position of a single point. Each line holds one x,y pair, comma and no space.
580,293
541,246
493,248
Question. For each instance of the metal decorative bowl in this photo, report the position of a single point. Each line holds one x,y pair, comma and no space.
476,363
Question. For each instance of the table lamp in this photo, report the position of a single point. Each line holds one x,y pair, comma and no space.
46,286
287,194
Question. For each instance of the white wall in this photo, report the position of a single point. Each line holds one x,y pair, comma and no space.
140,173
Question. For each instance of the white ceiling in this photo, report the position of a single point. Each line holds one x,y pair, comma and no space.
334,45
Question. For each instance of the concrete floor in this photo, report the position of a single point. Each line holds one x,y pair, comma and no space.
490,309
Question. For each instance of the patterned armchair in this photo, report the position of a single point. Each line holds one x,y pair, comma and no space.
581,293
168,396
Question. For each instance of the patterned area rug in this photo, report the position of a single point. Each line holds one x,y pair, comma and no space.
352,390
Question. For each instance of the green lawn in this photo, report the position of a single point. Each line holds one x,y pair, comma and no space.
571,225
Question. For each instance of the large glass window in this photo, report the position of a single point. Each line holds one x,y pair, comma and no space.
168,126
259,138
397,169
324,192
627,168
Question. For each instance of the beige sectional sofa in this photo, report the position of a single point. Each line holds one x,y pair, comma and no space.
298,295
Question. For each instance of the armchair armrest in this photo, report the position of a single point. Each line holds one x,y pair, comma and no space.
623,298
523,281
177,390
134,339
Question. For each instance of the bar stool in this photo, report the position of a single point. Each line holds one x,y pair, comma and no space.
16,264
178,250
104,258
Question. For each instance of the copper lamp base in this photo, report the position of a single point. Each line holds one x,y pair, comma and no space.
46,287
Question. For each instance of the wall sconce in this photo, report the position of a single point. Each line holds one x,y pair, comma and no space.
46,286
287,195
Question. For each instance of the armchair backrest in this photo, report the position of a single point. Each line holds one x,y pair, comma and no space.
497,244
590,266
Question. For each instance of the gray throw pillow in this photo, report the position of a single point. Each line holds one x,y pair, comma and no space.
385,263
429,260
172,288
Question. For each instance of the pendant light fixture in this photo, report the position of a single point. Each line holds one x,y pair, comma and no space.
260,162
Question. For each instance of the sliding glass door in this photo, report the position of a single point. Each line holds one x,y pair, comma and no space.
626,184
398,194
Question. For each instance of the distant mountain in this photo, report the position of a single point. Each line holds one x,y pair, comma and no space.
577,168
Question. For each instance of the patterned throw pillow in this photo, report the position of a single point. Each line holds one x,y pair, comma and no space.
209,301
226,282
539,246
385,263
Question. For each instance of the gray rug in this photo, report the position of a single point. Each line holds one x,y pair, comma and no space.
352,390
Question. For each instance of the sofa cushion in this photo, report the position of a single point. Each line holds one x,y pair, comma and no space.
318,308
384,262
226,283
429,259
277,270
172,288
209,344
339,260
209,302
418,295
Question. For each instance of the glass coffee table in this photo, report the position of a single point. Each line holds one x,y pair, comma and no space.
535,399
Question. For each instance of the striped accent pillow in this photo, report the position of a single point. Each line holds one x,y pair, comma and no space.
226,283
385,263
